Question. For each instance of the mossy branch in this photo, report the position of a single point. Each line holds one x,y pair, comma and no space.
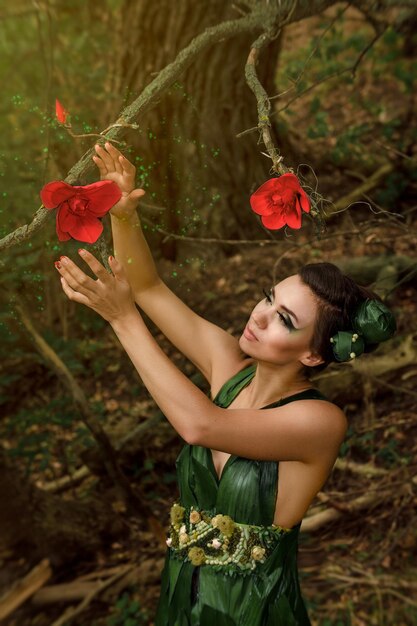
143,103
261,13
267,17
263,103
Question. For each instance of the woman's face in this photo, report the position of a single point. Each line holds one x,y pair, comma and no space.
282,329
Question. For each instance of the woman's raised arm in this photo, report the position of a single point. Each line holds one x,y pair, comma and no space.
201,341
288,433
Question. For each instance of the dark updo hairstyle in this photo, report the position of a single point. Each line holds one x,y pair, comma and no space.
337,297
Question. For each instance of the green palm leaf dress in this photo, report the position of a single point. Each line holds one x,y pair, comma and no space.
256,583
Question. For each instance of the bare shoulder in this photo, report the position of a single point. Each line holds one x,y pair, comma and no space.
309,430
321,417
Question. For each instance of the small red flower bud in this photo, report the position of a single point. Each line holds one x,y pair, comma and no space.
60,112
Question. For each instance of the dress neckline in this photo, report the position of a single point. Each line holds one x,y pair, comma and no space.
302,394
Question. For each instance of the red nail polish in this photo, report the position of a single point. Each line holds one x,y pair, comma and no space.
111,258
58,265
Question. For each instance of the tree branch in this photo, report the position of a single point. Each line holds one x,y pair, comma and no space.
263,102
261,14
317,520
274,15
145,101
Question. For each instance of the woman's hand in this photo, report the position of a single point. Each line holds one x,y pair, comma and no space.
110,295
114,166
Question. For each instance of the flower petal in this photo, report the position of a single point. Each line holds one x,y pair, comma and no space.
262,204
289,181
62,236
293,219
273,222
65,217
62,222
56,192
87,229
101,196
304,201
270,186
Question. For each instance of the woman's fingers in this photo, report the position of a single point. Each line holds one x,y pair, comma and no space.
101,167
98,269
104,156
135,196
114,154
118,270
100,164
72,294
75,277
112,300
107,159
128,168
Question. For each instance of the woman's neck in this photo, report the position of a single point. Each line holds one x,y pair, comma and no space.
273,382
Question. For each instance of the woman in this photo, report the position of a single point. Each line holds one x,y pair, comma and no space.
233,535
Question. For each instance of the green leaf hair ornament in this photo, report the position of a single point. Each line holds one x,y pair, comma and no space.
372,323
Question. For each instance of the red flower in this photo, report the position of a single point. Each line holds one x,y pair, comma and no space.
79,208
60,112
280,201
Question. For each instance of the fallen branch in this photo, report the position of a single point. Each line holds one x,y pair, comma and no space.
364,469
354,196
70,613
382,582
147,572
316,521
24,588
61,484
64,593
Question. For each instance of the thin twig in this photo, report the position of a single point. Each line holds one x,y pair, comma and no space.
312,53
394,150
352,68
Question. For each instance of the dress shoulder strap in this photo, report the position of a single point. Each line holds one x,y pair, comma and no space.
234,385
307,394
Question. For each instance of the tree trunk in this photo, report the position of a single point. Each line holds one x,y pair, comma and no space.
49,526
200,171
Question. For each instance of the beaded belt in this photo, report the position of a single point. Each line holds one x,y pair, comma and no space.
219,541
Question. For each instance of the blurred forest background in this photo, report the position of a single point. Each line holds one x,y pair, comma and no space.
87,463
